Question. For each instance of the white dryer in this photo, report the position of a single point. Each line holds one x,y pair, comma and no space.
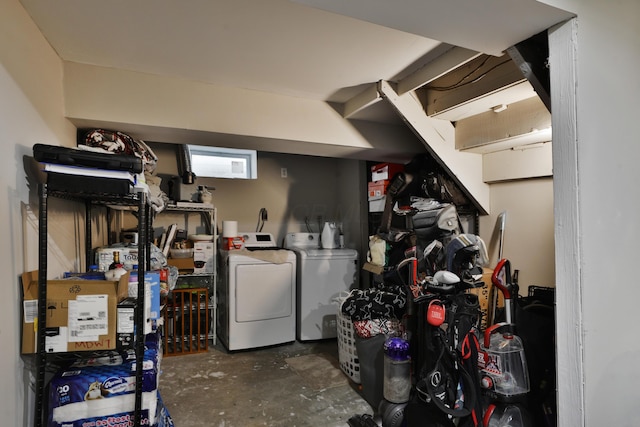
323,274
256,297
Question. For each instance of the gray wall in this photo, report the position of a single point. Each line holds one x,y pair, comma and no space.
315,187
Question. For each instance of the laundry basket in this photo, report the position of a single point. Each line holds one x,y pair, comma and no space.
347,354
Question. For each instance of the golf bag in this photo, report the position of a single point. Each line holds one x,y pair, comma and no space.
447,383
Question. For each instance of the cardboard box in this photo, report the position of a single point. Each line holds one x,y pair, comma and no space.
377,204
385,171
128,256
126,324
203,257
377,189
152,283
181,263
151,297
81,314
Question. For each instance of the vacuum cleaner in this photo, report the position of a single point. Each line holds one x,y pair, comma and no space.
502,362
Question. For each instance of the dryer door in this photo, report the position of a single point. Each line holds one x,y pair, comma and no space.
264,291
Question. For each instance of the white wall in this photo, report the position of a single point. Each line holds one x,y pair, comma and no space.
528,237
598,217
31,109
182,111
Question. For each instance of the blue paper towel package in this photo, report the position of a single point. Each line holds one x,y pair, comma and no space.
101,391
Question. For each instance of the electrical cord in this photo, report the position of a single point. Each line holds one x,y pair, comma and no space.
459,82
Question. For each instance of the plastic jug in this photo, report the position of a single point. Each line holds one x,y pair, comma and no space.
329,236
503,363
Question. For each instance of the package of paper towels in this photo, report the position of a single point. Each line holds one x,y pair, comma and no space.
102,391
229,228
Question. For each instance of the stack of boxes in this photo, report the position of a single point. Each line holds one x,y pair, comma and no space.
200,263
81,314
88,314
381,175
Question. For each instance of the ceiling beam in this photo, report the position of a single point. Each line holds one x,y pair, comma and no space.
532,56
359,102
443,64
438,136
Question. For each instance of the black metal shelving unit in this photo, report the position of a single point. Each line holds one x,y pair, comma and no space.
90,200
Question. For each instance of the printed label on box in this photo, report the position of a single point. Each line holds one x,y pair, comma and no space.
88,317
55,340
30,308
128,257
126,321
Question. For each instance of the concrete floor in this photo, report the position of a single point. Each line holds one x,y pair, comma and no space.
292,385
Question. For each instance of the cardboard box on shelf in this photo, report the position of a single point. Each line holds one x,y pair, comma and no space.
385,171
126,325
376,204
377,189
81,314
128,256
151,297
203,257
181,264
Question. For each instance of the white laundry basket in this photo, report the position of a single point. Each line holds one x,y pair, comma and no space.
347,354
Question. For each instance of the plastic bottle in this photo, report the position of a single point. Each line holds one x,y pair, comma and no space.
397,370
115,272
328,236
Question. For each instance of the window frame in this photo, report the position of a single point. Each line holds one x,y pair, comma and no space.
250,157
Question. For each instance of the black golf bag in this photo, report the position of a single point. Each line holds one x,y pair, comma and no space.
447,385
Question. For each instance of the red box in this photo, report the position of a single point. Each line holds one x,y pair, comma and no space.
378,188
385,171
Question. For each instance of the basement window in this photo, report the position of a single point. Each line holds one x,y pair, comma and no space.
216,162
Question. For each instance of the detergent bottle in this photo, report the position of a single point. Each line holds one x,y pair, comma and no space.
329,235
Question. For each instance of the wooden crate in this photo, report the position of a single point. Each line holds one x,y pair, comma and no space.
186,322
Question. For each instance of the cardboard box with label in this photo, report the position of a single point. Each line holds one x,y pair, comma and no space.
128,256
385,171
377,189
203,257
81,314
151,298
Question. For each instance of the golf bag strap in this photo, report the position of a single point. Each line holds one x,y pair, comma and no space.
470,395
435,378
470,350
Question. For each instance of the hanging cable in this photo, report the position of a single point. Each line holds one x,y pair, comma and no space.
460,83
262,218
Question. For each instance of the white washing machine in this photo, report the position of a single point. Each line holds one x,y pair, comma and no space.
323,274
256,294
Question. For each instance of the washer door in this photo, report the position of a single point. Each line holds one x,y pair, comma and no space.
264,291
